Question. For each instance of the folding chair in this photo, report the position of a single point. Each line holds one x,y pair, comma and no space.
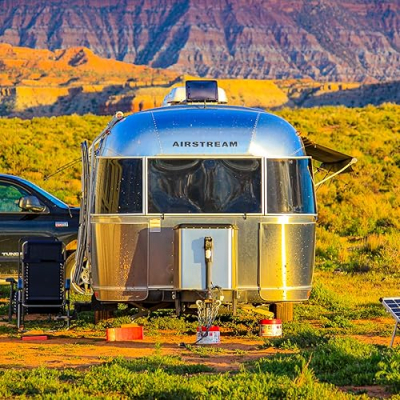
41,287
13,291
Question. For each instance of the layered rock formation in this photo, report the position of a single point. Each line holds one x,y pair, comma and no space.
324,40
45,83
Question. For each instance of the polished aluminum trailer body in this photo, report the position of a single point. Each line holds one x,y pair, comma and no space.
162,180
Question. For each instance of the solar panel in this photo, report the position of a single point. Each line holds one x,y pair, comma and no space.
392,305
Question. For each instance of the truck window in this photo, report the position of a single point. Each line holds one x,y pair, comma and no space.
204,185
9,197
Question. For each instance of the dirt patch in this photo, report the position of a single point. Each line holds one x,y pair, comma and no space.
81,349
61,351
378,392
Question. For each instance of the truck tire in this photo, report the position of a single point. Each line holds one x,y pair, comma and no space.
282,311
83,285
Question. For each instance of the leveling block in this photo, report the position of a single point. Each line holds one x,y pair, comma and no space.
212,337
34,337
126,332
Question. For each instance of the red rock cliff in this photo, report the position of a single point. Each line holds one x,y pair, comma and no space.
326,40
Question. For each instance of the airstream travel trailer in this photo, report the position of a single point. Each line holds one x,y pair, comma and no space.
198,202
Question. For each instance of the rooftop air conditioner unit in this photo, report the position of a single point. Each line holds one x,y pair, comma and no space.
196,92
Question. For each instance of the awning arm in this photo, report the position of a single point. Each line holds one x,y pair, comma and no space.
351,162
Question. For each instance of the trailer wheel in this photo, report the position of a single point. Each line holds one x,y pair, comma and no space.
282,311
83,285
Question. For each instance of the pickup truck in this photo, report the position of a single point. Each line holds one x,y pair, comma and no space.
26,211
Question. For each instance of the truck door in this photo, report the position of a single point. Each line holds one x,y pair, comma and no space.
15,223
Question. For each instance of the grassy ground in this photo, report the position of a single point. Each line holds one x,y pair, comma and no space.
337,347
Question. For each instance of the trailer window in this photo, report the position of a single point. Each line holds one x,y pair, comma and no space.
289,187
204,186
119,186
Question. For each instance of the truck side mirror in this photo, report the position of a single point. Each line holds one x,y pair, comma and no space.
31,203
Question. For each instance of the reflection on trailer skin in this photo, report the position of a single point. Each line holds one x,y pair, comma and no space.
163,182
283,272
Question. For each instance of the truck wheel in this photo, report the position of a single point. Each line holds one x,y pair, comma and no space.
283,311
83,285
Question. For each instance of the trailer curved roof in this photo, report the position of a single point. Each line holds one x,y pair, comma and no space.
198,130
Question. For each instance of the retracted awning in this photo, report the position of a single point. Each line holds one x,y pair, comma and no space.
332,160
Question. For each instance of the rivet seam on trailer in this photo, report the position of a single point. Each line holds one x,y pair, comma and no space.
253,133
157,133
302,147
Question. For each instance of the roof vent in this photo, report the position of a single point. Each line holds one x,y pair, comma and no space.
203,92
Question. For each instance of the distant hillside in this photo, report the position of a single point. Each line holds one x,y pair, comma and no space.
306,94
42,82
341,40
76,81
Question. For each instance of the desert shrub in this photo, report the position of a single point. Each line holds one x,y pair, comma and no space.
328,299
389,370
298,336
346,361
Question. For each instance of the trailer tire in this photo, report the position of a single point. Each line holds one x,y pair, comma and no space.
83,286
283,311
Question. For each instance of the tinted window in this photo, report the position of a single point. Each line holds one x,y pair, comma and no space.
119,186
9,197
204,186
289,187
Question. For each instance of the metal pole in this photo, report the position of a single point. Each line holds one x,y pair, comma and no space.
394,334
208,245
